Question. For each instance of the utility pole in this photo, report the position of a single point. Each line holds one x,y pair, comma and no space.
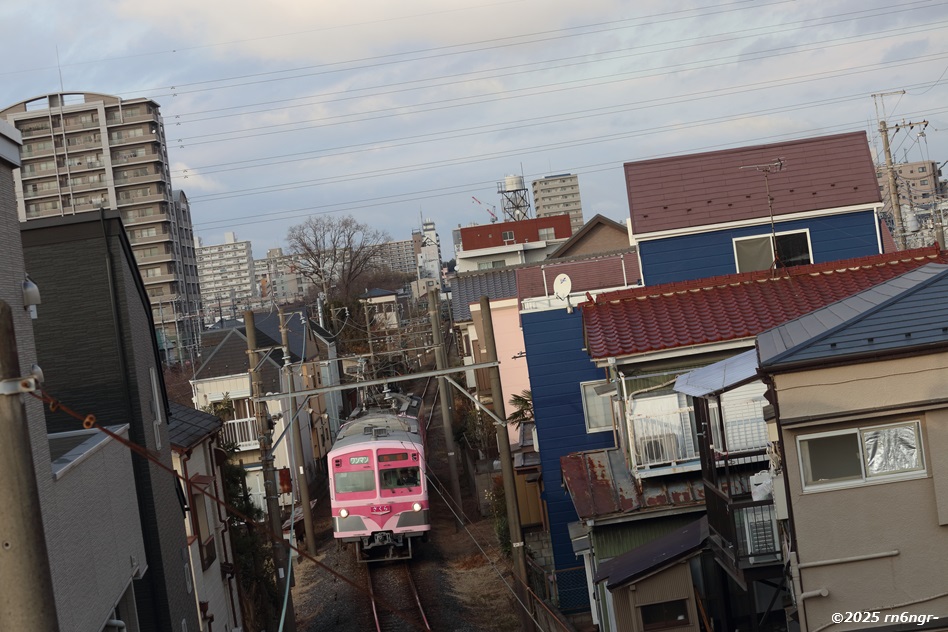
506,467
446,417
302,483
269,472
893,187
26,601
368,329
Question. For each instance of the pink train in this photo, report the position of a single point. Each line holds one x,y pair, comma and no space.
377,486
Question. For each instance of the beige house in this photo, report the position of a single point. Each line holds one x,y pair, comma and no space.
195,457
862,422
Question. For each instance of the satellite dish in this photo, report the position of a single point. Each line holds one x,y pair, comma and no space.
562,286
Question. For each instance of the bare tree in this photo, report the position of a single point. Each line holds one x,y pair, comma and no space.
337,253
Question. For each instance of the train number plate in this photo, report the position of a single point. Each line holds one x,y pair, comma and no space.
381,509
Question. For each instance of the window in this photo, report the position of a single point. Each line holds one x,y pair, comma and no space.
597,409
923,181
921,169
487,265
507,235
860,455
400,477
362,481
761,252
547,234
667,614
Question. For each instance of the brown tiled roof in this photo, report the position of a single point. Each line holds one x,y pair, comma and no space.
715,187
730,307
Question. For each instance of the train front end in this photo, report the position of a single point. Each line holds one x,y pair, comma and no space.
378,493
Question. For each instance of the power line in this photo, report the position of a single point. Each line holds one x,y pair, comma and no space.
744,34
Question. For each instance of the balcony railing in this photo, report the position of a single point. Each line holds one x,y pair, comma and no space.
747,528
243,433
663,439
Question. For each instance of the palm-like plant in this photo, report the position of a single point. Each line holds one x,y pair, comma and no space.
523,407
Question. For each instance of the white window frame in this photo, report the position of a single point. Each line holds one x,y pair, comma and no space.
586,415
866,478
770,238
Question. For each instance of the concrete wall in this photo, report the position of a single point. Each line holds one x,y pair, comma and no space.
907,515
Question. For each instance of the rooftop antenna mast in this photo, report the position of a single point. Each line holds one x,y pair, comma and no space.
767,169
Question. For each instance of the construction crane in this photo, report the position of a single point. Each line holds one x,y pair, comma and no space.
491,210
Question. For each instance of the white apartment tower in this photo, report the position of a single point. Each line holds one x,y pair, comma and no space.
227,277
83,152
427,246
558,194
279,279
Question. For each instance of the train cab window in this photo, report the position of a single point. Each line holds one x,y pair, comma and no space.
347,482
399,477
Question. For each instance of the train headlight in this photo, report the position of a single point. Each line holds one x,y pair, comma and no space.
343,513
416,506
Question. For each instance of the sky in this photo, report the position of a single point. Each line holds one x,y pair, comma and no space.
395,112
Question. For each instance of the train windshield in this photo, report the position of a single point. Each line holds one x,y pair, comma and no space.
398,477
347,482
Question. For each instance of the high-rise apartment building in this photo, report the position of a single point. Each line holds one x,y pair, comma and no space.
279,278
83,152
400,256
427,245
559,194
226,272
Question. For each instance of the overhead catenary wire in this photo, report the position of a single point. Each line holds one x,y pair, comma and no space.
90,421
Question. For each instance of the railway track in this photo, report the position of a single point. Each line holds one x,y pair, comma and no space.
396,605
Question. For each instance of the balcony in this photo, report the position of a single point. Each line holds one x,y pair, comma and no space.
663,437
744,535
73,126
147,137
148,239
84,166
150,177
131,159
143,199
112,120
243,433
32,131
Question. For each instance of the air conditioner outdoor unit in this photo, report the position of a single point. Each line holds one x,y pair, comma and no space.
760,532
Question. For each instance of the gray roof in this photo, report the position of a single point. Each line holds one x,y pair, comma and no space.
905,312
469,287
720,376
652,556
188,426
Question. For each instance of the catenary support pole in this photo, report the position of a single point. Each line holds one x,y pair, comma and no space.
506,466
302,482
270,487
26,597
434,313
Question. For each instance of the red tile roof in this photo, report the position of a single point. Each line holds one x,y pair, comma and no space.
734,306
718,186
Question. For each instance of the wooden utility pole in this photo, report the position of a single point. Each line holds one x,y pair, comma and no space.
302,483
26,601
506,467
270,487
446,417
